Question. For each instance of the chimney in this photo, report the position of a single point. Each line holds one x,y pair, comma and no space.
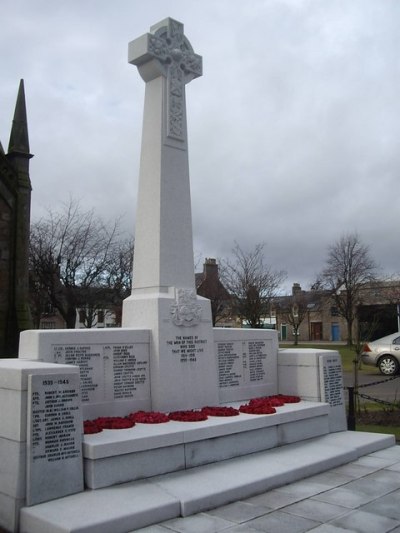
296,289
210,268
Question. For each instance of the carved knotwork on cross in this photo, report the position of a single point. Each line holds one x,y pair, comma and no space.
175,60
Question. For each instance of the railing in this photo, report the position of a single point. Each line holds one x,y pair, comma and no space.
353,392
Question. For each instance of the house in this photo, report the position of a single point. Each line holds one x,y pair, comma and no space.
86,317
313,316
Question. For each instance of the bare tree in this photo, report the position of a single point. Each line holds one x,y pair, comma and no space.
349,267
293,310
72,252
119,280
252,284
221,308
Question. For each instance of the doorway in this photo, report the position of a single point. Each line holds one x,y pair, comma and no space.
316,331
335,331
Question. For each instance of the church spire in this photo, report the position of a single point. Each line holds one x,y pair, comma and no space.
19,141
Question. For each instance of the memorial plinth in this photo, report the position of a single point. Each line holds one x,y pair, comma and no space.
40,454
314,375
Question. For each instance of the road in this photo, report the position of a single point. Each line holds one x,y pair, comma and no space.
384,390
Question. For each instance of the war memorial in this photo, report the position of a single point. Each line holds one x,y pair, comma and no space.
167,357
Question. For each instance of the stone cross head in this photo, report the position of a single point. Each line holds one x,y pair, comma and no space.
167,52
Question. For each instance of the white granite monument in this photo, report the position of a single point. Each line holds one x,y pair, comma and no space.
182,363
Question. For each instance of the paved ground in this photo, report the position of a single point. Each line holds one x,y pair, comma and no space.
362,496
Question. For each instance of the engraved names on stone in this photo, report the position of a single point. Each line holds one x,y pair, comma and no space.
54,441
108,371
331,380
241,362
187,347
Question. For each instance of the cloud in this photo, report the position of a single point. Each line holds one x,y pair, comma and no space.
293,128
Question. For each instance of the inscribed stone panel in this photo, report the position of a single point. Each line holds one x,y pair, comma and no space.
54,446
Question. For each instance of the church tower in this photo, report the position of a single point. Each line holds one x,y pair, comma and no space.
15,203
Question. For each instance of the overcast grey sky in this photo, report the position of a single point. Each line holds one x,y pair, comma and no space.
294,127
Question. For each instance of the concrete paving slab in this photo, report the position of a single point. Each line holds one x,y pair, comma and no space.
240,512
353,470
386,506
344,497
280,522
376,462
242,528
332,479
318,511
199,523
329,528
363,522
376,485
304,488
389,478
274,499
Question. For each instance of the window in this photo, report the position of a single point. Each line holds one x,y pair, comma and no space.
82,315
100,316
396,340
334,311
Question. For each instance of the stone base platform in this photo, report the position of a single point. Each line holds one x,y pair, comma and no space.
129,506
146,450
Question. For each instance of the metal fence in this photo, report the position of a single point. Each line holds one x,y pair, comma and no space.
354,392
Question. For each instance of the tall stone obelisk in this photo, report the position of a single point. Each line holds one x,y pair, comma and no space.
183,366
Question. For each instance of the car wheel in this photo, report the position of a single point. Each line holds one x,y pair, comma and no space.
388,365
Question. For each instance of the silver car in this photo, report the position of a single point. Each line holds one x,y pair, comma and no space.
383,353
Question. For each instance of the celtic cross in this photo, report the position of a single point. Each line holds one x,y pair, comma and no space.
167,52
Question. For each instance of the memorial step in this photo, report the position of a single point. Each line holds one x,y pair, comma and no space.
137,504
147,450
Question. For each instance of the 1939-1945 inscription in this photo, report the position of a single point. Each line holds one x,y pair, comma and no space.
54,440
